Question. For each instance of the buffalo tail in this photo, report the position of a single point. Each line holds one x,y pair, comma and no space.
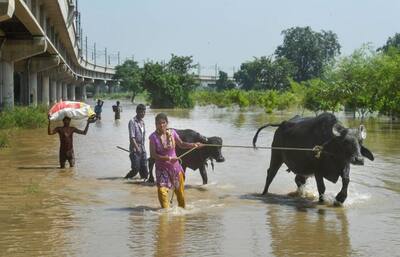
258,131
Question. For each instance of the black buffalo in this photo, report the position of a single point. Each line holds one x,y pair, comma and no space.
198,158
341,146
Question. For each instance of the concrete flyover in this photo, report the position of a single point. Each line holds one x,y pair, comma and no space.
40,54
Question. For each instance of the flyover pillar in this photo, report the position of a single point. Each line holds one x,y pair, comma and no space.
96,89
72,91
7,84
64,91
39,64
59,90
45,89
84,95
33,88
53,91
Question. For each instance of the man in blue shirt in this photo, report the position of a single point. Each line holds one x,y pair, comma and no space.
98,109
137,148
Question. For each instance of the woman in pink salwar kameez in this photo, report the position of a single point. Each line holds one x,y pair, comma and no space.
169,172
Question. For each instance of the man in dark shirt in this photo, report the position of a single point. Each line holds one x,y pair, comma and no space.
137,148
117,109
66,140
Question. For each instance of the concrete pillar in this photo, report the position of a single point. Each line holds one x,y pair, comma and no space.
64,91
84,95
23,87
45,89
7,84
59,91
72,88
33,88
53,91
78,92
97,89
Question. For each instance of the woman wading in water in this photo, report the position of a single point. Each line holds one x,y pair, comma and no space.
169,172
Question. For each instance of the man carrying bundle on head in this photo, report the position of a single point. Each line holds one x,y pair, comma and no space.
64,111
66,142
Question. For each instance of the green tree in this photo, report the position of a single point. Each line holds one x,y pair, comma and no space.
223,82
265,73
391,42
169,85
308,50
387,82
130,76
357,77
321,96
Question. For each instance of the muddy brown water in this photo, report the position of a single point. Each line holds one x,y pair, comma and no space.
90,210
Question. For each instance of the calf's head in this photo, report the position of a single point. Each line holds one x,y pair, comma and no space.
347,144
215,151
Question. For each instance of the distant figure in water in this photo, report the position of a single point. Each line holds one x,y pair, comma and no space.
98,108
117,109
66,142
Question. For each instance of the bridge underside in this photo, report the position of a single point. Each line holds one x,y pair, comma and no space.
39,61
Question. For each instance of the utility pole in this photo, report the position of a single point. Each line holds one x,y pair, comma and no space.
118,58
105,55
216,70
81,46
86,47
94,54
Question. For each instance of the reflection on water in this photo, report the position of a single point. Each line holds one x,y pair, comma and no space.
170,235
308,232
89,210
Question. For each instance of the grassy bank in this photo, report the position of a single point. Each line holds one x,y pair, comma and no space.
269,100
21,117
113,96
4,138
140,98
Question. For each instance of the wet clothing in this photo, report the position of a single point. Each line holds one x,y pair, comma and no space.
117,111
138,164
66,146
138,159
67,156
179,192
98,109
167,173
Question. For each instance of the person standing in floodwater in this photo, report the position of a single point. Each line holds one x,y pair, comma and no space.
169,172
66,140
117,109
98,108
137,147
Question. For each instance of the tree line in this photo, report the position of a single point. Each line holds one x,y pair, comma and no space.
305,66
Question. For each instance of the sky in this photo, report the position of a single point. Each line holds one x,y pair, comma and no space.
227,33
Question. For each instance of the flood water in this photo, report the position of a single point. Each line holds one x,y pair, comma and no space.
89,210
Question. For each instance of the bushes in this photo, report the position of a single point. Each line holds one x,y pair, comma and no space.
113,96
24,117
21,117
268,100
